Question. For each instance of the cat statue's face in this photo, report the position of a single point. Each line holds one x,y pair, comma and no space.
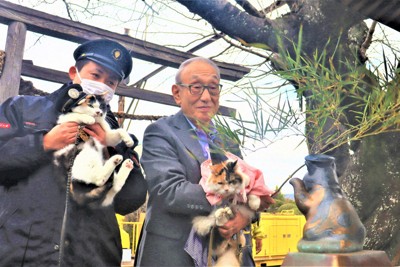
92,105
225,179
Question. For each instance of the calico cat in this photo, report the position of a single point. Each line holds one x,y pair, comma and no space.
227,181
91,169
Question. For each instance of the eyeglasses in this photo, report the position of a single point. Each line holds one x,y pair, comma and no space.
198,88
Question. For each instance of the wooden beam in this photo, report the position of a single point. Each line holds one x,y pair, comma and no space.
54,26
30,70
10,77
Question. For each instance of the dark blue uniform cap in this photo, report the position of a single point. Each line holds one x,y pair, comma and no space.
108,54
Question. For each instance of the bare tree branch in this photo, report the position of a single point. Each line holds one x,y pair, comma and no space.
249,8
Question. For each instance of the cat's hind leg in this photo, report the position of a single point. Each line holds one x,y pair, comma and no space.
254,202
119,181
203,224
108,168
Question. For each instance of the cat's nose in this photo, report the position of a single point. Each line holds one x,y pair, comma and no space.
99,113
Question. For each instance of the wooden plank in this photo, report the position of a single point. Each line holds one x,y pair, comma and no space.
54,26
30,70
50,75
10,77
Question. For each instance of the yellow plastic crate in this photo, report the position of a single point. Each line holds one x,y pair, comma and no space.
282,231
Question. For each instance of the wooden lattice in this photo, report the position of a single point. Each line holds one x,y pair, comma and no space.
27,88
2,59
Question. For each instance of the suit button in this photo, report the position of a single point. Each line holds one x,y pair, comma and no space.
56,247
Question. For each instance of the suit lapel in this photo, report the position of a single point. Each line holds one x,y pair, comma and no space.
187,135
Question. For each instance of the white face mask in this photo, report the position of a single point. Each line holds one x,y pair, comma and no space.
96,88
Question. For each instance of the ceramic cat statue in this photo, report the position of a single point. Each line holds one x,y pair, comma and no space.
332,225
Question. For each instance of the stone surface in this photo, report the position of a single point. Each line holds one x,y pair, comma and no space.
360,258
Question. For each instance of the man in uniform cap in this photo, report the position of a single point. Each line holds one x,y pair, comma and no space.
33,198
108,54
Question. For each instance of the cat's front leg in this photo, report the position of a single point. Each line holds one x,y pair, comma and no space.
86,119
203,224
125,137
77,117
223,215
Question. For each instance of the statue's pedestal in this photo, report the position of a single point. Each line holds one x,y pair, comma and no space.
360,258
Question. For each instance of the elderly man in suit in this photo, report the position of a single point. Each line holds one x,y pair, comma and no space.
173,150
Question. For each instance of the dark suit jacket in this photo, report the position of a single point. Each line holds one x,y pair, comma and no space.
32,194
171,160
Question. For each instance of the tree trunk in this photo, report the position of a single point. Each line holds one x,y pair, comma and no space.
370,176
372,183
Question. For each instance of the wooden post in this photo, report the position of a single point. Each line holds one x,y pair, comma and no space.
10,78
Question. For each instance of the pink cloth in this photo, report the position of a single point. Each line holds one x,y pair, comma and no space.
256,185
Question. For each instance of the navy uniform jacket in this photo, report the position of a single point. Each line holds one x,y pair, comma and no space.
32,200
171,160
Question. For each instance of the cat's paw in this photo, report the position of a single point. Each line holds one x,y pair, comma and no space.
128,141
254,202
117,159
223,215
126,168
122,175
128,164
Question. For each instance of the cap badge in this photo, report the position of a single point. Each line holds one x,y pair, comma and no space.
73,93
116,54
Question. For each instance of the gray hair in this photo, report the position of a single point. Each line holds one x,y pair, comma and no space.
185,63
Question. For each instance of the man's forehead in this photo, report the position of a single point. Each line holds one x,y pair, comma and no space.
197,75
194,71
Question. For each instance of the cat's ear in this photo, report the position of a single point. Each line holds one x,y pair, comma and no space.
103,94
83,100
233,164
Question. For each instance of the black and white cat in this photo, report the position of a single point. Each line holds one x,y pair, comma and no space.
91,169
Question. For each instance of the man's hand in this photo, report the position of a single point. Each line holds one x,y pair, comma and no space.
234,225
96,131
60,136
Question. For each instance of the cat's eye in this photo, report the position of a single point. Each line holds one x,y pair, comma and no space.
220,172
